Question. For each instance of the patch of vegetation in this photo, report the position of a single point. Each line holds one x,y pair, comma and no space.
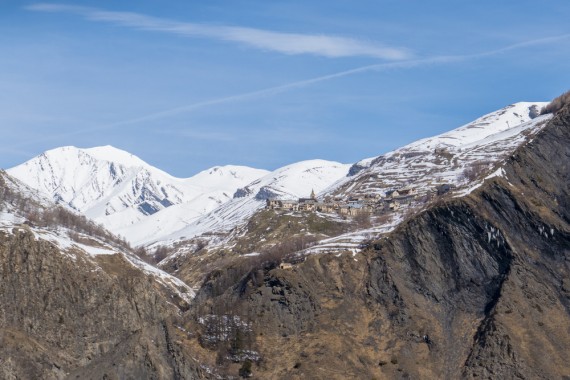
154,257
270,228
37,215
557,104
245,370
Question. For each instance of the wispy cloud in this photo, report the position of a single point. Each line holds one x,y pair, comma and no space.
408,64
285,43
271,91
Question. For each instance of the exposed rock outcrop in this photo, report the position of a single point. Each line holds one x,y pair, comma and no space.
477,286
75,318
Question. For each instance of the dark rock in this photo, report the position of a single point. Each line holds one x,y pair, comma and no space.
242,192
266,193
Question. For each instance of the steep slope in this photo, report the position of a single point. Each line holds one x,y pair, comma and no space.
475,283
443,159
120,190
290,182
75,302
469,134
457,161
460,160
25,209
472,286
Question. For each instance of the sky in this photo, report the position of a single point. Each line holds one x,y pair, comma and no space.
190,85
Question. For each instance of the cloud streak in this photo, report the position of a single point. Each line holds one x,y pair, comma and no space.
408,64
271,91
285,43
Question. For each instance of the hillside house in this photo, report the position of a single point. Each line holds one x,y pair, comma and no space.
403,195
278,204
407,191
307,204
273,204
344,210
328,207
290,205
394,205
372,197
354,208
392,194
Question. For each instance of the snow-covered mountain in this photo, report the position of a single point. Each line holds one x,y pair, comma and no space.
443,159
120,190
144,204
461,159
66,231
295,180
149,206
289,182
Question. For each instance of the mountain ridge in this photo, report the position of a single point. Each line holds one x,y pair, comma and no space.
156,209
474,285
116,188
468,282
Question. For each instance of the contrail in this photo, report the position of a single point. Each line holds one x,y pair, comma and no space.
306,82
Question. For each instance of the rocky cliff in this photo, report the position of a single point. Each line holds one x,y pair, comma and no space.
476,286
82,318
472,286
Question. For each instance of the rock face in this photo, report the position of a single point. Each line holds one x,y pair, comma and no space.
476,286
472,287
73,319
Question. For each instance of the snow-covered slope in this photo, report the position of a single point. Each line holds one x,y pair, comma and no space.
120,190
443,159
147,205
462,159
289,182
424,165
19,202
295,180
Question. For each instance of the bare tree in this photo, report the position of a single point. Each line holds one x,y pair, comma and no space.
557,104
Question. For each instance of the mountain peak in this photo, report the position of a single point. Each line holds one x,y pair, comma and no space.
101,153
230,170
118,189
112,154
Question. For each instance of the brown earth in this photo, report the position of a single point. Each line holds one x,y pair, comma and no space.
472,287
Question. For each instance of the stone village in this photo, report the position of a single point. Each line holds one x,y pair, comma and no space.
369,203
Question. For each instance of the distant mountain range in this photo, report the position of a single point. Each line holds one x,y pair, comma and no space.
120,190
456,268
146,205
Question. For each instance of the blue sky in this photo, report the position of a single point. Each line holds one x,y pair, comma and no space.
190,85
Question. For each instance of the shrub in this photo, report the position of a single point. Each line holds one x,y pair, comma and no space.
557,104
362,220
161,253
245,370
51,217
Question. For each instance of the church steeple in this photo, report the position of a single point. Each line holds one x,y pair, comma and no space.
313,196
